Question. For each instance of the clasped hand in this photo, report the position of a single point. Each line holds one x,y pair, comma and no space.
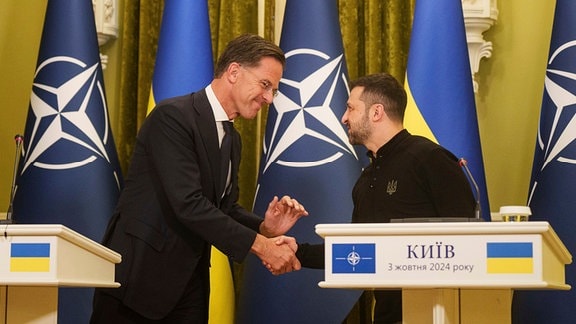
279,254
281,215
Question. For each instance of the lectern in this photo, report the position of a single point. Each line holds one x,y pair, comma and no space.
37,259
448,272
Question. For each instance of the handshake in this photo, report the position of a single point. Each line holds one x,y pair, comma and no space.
278,252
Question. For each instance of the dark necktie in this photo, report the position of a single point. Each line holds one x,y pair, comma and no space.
225,153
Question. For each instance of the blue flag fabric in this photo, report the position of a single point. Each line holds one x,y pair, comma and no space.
553,183
307,156
69,173
184,61
439,84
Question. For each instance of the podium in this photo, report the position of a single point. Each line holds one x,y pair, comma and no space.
37,259
460,272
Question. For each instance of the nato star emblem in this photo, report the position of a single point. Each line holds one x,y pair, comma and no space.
63,114
299,112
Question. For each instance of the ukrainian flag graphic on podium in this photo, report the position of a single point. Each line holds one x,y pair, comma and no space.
509,257
30,257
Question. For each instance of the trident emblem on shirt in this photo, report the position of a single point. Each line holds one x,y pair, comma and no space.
392,185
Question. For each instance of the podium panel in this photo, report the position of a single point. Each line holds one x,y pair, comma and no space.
451,269
37,259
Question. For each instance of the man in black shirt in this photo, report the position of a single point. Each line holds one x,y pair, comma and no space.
408,177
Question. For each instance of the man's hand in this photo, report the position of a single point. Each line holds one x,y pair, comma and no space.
277,258
281,215
290,241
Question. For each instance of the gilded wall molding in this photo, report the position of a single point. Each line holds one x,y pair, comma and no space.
106,18
479,16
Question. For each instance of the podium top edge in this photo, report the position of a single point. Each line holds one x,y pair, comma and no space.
441,228
58,230
448,228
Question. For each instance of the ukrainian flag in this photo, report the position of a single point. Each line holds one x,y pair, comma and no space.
509,257
30,257
439,84
184,61
184,64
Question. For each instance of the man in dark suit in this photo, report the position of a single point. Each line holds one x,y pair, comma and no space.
179,198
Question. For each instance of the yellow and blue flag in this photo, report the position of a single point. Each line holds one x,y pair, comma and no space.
509,257
553,183
184,64
69,173
441,102
184,61
30,257
306,155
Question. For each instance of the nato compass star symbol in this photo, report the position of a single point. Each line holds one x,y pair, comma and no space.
62,116
301,112
353,258
562,98
561,134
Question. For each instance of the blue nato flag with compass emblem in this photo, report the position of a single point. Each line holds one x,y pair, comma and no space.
306,155
553,184
354,258
69,173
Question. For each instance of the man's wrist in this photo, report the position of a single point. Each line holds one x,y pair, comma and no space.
259,245
264,230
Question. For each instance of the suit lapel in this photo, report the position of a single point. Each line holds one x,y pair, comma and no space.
209,135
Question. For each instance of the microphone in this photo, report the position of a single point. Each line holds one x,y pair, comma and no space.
19,140
464,164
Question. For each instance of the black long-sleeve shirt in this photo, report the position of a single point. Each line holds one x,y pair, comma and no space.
411,176
408,177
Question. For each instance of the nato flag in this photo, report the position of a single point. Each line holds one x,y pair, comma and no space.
553,182
354,258
306,155
69,173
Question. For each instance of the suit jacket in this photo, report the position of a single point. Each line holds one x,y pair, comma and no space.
171,209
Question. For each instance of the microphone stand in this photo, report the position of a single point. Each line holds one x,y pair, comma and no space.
463,163
9,219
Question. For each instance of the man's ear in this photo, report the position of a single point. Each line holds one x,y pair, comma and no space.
232,71
377,112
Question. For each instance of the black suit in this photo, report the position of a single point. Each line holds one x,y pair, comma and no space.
171,211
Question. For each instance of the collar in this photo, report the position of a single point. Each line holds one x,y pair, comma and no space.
388,146
217,109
